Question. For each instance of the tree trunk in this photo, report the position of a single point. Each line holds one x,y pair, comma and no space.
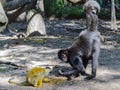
21,6
3,2
41,5
113,16
3,18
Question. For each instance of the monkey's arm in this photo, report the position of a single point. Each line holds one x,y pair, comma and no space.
78,68
77,63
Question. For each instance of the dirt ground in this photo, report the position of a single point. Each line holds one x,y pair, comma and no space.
42,51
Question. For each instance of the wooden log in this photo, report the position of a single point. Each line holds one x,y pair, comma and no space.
14,4
16,14
35,23
34,18
26,7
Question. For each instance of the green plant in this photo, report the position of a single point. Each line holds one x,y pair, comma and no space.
73,13
61,3
59,9
50,7
105,14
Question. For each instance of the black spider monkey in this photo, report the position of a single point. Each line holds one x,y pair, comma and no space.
85,48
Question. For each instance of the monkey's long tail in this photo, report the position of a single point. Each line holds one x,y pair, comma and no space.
94,21
20,82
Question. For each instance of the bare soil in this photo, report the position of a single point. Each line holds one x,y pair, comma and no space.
42,51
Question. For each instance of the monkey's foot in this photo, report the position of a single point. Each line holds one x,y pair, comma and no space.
85,74
90,77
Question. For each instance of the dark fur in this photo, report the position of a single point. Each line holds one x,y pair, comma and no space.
87,47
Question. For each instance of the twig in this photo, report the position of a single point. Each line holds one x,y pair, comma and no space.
10,63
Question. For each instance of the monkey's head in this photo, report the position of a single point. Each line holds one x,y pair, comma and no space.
62,55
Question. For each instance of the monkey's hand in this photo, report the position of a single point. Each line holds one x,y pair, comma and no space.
85,74
66,74
69,75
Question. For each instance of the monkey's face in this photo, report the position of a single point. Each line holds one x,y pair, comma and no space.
62,55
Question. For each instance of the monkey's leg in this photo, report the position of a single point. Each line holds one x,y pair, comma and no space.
94,61
77,64
85,63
